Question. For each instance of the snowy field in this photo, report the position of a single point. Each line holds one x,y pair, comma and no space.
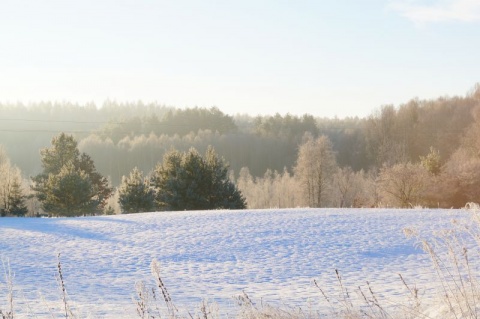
272,255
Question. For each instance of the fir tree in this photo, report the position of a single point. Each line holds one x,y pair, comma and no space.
135,193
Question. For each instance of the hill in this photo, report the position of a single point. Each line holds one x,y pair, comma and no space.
273,255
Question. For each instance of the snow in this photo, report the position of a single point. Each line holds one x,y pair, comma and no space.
272,255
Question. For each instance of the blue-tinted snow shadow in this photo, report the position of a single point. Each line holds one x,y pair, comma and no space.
54,226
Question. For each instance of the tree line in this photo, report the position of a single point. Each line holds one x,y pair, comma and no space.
70,185
352,162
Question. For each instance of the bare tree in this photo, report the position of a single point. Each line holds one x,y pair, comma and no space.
385,144
349,188
315,167
460,180
403,184
470,141
285,185
274,189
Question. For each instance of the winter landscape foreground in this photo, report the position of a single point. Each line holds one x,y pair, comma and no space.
272,255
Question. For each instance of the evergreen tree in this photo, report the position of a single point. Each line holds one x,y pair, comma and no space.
188,181
432,162
69,184
135,193
16,200
101,189
63,151
167,181
70,192
11,193
223,193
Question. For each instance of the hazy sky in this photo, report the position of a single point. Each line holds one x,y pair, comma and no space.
327,58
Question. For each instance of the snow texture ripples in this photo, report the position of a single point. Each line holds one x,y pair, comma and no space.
273,255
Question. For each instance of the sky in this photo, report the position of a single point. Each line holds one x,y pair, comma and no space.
326,58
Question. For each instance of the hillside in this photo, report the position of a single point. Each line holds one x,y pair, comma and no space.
273,255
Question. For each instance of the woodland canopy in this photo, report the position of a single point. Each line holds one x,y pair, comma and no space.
436,139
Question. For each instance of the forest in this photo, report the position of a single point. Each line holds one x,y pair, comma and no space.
420,153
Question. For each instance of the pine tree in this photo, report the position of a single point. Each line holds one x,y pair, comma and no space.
188,181
168,182
70,192
135,193
69,184
16,200
101,189
12,197
63,151
223,193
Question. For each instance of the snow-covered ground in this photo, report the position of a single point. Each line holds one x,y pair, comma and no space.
272,255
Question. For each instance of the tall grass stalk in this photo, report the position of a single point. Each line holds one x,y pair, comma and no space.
69,314
9,312
455,256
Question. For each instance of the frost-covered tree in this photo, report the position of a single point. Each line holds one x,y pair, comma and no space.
315,167
459,183
348,189
188,181
382,144
12,197
274,189
135,193
403,185
470,141
69,184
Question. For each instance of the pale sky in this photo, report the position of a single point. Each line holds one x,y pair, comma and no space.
326,58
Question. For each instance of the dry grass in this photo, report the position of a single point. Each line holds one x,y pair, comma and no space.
8,312
455,255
